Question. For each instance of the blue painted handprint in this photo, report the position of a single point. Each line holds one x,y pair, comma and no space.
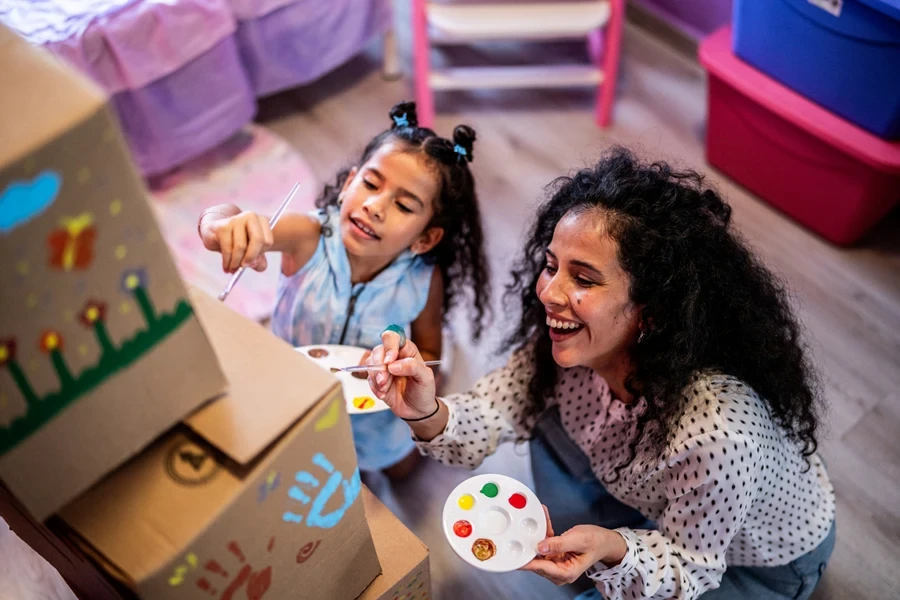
316,517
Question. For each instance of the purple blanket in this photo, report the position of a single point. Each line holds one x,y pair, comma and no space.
184,74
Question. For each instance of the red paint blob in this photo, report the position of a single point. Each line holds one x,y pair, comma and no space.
462,528
517,501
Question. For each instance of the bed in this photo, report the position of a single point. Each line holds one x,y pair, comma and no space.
184,75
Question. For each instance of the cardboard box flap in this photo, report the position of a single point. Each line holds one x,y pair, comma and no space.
142,494
271,385
182,520
45,97
403,556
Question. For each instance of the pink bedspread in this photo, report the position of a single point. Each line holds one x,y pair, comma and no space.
184,74
122,44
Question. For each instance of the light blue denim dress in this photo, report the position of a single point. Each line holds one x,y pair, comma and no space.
319,305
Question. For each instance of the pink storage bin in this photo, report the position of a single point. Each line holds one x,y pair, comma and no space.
826,173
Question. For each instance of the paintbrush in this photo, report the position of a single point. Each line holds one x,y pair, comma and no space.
354,369
272,222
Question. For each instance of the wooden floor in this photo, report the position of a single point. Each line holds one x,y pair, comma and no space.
849,300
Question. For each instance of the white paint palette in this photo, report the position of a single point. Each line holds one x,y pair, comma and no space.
494,522
359,396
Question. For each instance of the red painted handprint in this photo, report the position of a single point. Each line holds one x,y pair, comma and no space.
254,583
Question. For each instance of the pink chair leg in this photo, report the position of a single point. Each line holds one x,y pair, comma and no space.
612,41
421,68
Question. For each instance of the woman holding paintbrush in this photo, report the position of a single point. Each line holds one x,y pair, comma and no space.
660,378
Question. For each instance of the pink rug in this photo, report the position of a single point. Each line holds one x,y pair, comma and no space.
254,170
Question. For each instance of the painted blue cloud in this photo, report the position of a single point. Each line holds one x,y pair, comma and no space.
22,201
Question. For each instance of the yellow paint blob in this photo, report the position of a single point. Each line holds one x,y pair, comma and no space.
23,267
82,350
466,502
31,300
363,402
121,251
115,207
125,307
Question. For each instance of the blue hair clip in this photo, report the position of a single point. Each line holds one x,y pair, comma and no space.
401,121
460,150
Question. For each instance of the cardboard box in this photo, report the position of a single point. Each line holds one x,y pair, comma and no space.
99,348
405,571
258,498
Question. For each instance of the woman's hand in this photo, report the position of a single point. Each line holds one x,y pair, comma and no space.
407,386
242,239
563,559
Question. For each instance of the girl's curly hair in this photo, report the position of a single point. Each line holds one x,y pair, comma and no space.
460,253
708,303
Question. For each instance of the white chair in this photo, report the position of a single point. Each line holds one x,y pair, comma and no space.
437,23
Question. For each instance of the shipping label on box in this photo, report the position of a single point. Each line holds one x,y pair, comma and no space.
100,351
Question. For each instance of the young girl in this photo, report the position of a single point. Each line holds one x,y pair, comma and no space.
394,242
661,378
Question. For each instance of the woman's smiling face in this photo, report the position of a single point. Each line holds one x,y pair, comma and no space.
585,292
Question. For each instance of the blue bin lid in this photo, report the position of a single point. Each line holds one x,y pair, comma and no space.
889,7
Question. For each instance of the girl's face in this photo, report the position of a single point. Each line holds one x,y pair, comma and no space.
387,203
584,290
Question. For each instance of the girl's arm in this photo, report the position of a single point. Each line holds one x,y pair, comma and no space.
244,237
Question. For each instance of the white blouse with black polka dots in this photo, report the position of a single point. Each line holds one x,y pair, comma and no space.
729,490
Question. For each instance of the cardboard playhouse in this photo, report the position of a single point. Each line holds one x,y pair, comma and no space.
100,350
258,492
116,416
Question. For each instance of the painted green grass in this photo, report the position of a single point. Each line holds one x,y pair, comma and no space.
41,410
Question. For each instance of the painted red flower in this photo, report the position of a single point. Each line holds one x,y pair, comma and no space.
50,341
92,312
7,351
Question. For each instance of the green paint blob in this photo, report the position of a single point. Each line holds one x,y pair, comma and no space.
490,490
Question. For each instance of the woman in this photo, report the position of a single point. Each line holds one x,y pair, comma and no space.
660,377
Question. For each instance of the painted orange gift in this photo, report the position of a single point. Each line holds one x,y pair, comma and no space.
72,245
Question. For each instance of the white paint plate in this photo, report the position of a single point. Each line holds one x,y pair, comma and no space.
354,388
514,530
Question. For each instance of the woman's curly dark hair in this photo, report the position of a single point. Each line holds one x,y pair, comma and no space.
708,302
460,253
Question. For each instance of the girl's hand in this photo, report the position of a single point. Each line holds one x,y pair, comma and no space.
563,559
242,239
407,386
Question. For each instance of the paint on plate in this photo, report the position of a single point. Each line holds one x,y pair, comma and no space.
484,549
462,528
490,490
466,502
363,402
